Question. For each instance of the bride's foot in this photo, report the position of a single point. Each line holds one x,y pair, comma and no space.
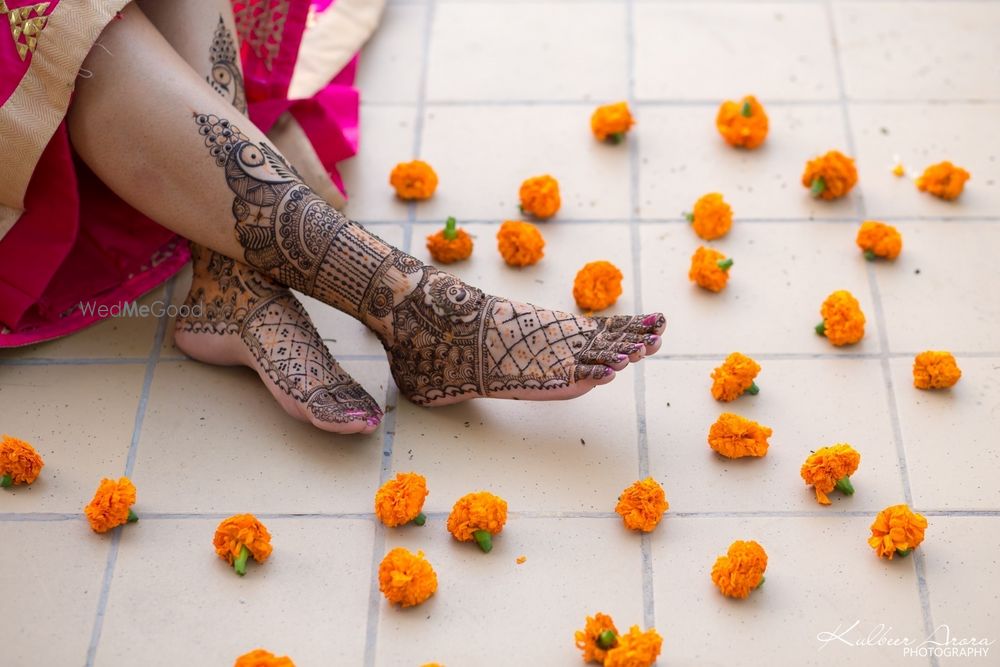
450,342
447,341
247,319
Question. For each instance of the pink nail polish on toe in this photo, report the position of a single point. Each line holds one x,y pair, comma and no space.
649,320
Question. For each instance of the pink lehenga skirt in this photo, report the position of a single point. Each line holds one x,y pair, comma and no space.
67,243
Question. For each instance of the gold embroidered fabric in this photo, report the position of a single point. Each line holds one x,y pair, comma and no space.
26,23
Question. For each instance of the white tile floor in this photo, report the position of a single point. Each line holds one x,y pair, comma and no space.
492,91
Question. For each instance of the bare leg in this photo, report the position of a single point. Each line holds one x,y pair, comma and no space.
164,141
247,318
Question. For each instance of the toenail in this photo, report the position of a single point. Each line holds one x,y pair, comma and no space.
374,421
652,340
650,320
622,358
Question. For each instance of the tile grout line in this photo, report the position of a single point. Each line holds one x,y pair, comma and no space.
392,393
41,517
684,104
923,592
645,542
140,413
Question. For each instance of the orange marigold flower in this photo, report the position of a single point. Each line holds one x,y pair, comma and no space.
734,436
735,377
450,244
642,505
413,180
712,217
520,243
112,505
405,578
741,570
597,637
401,500
742,124
935,370
611,122
540,196
478,516
830,176
943,180
843,322
597,285
19,462
261,658
897,531
709,269
635,649
830,468
878,239
239,537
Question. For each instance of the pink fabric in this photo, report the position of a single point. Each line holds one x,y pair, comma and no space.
329,118
77,242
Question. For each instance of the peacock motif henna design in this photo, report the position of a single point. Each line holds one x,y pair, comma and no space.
226,77
445,339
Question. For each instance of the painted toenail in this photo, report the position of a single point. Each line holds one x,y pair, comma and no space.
374,421
622,358
650,320
652,340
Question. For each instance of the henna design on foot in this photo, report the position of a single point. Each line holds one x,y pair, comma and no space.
245,318
446,341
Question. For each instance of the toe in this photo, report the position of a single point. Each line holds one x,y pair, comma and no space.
636,346
616,359
594,374
345,411
654,323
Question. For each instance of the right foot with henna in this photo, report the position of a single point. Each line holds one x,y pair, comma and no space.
446,341
244,318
